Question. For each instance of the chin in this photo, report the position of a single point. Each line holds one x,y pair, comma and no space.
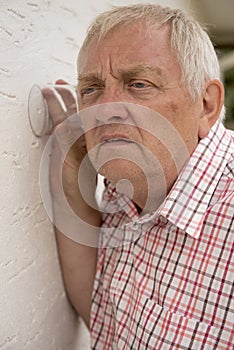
116,170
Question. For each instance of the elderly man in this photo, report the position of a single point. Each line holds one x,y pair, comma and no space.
151,104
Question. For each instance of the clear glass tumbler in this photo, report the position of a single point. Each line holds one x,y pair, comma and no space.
38,114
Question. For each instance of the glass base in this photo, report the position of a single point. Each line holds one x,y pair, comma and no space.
38,112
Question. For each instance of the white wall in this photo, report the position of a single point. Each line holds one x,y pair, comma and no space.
39,41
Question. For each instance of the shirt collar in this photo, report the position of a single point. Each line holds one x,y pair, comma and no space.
187,203
113,201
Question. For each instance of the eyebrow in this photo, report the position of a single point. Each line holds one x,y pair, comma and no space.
88,76
130,72
141,68
127,72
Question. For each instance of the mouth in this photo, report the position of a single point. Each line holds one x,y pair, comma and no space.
116,140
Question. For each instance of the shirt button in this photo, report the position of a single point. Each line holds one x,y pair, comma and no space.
135,226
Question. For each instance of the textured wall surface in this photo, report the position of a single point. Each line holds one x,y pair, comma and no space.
39,42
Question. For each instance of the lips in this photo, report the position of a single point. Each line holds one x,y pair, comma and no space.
115,138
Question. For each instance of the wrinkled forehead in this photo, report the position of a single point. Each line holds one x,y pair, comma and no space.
138,32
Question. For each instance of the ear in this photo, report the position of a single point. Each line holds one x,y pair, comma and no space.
213,98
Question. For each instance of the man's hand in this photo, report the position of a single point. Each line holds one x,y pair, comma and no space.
78,261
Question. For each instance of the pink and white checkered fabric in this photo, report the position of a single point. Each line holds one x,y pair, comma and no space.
171,285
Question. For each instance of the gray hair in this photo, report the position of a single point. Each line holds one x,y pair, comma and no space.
194,49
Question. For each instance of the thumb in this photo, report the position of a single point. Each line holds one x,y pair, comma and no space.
64,137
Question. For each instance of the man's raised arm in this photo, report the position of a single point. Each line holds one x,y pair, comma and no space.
77,253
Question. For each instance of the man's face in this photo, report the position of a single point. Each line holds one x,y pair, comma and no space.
136,66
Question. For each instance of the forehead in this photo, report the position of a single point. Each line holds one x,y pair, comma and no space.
133,45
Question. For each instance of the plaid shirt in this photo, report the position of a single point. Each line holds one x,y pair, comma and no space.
169,285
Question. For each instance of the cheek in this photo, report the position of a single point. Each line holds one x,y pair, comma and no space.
186,124
175,113
174,108
183,117
89,139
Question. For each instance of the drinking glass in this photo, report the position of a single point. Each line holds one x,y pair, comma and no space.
38,113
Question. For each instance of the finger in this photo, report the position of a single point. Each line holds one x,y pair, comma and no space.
55,109
64,137
67,95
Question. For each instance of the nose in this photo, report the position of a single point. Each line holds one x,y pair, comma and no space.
111,112
106,113
109,108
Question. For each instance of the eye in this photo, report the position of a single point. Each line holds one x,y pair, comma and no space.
139,85
89,90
